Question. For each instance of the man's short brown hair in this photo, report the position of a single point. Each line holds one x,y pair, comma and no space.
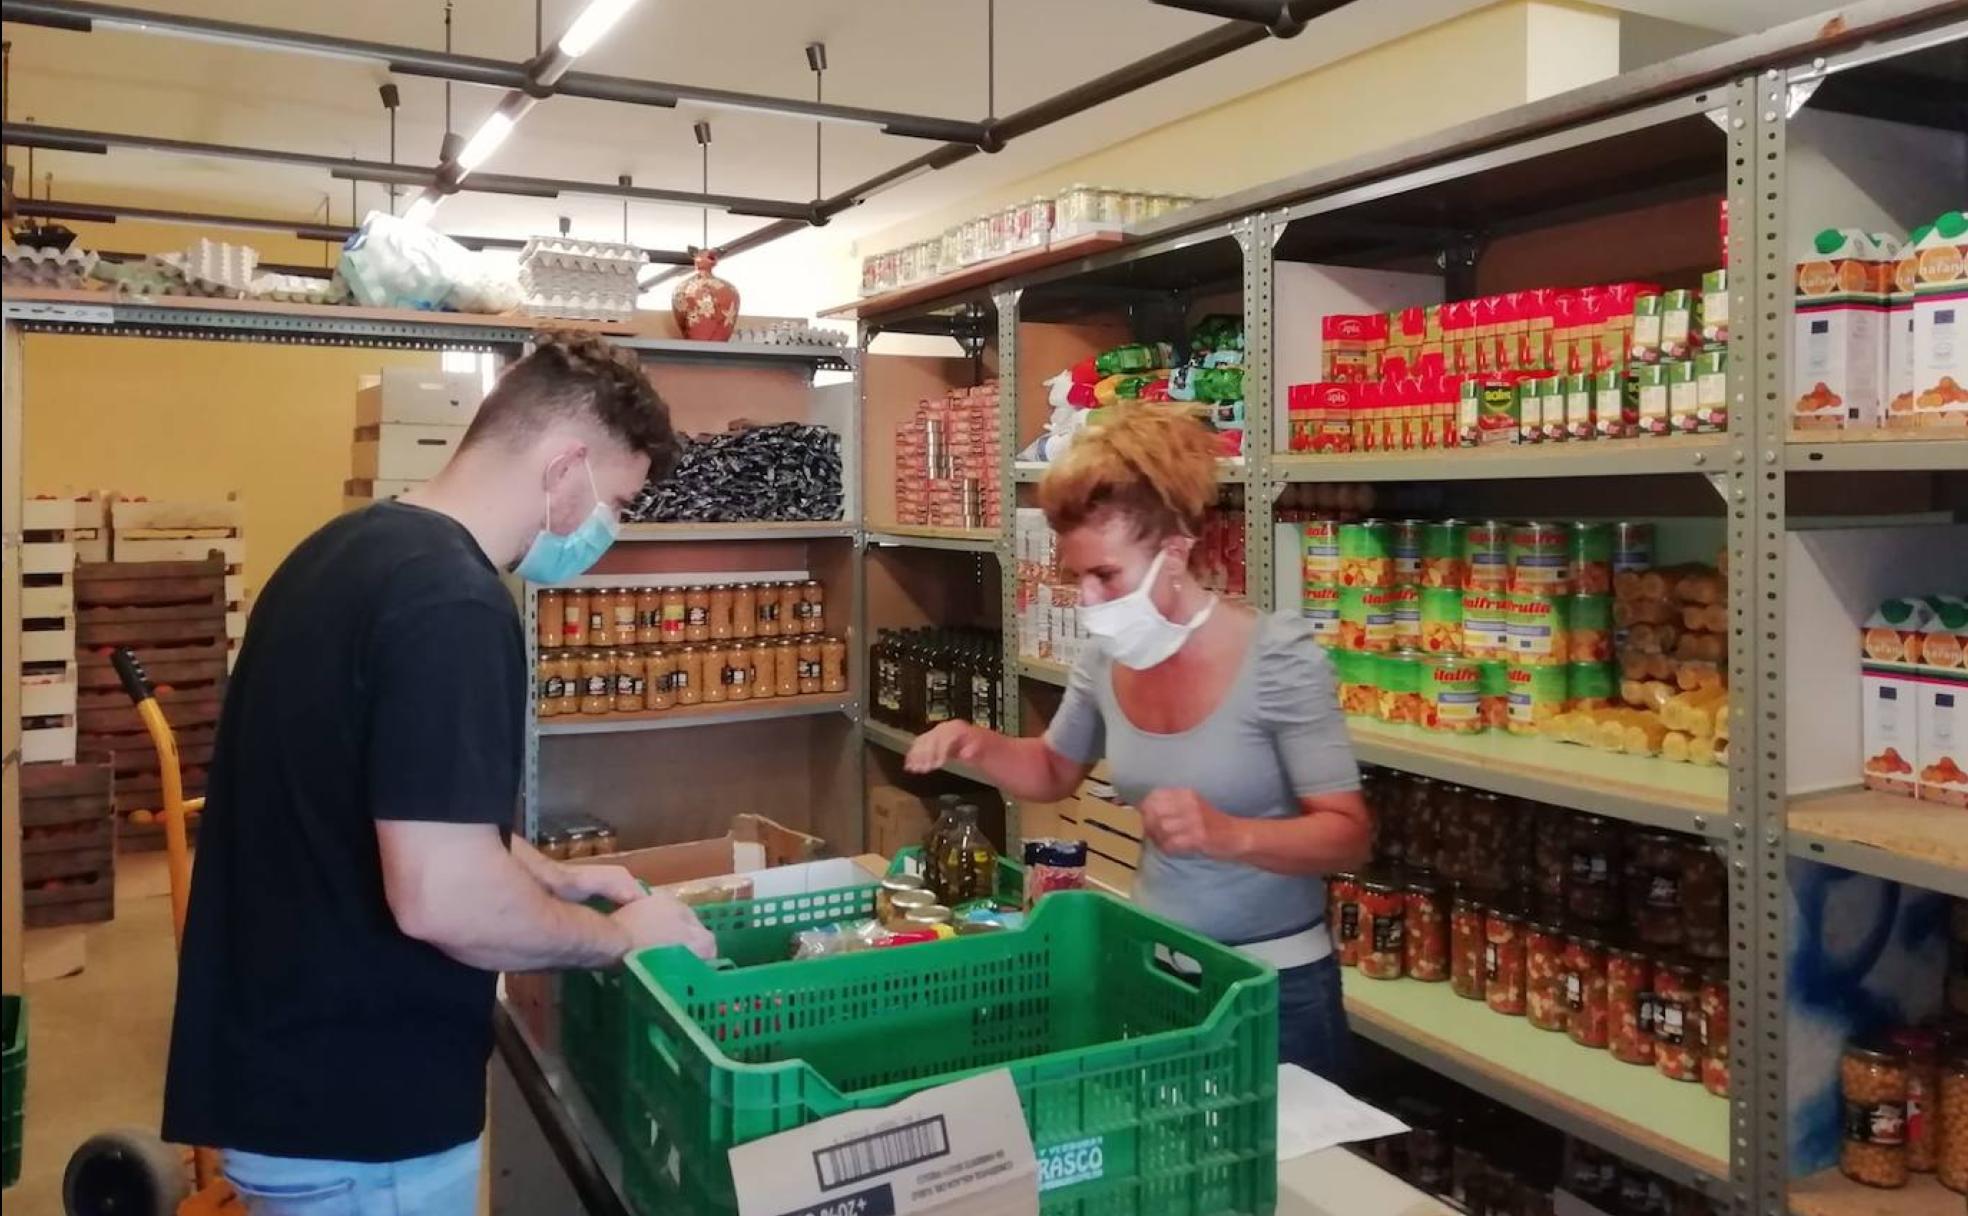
578,375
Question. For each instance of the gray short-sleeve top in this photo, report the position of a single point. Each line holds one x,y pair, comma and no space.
1276,736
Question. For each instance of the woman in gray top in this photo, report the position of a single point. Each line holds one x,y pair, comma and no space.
1219,723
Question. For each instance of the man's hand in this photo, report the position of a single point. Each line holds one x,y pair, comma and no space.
1183,825
578,884
661,919
942,743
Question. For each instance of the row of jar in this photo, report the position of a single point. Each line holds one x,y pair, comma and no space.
1643,1005
670,616
1669,889
1905,1096
569,682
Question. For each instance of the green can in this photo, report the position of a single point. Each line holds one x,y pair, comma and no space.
1320,606
1444,556
1487,548
1591,684
1590,620
1592,558
1441,620
1539,629
1366,618
1354,671
1319,550
1406,543
1407,617
1495,688
1366,554
1537,694
1486,624
1398,677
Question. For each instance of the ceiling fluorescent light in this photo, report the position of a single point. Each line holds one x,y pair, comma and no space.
791,109
588,28
421,211
486,140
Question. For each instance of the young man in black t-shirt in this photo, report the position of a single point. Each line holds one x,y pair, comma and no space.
357,885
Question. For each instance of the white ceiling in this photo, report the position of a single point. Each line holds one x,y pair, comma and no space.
922,56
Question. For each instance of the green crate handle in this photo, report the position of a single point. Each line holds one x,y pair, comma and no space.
659,1038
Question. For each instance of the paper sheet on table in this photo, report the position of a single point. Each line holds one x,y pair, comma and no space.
1313,1113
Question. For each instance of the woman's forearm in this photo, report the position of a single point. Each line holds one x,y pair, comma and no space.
1025,768
1333,835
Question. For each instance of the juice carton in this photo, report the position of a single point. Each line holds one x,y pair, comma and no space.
1711,411
1889,729
1579,398
1683,398
1944,638
1899,410
1680,338
1940,324
1530,409
1350,345
1941,742
1613,415
1893,633
1644,339
1499,411
1649,389
1838,363
1617,311
1714,317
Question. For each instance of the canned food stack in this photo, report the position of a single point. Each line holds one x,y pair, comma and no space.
636,650
1905,1089
1048,608
1612,934
947,462
1461,626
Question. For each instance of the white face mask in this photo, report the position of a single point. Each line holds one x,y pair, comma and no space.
1132,631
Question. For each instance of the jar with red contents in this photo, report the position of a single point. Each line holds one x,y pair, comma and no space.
1677,1021
1585,990
1630,1005
1382,911
1504,962
1544,996
1343,916
1714,1005
1466,946
1425,929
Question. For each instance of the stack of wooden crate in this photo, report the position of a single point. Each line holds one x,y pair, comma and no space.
68,855
408,422
53,532
174,532
174,615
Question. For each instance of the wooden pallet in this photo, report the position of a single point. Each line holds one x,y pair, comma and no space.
67,838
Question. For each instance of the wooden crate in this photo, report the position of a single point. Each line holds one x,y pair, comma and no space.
68,851
61,902
67,832
169,532
53,531
81,521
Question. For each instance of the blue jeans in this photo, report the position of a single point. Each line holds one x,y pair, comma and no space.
442,1184
1312,1020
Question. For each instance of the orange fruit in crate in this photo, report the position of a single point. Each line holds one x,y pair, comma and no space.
142,818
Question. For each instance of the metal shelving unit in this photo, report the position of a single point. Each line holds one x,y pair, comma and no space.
767,710
963,540
1709,125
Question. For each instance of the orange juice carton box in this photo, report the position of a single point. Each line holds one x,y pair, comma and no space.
1941,743
1940,324
1900,289
1944,638
1889,729
1894,632
1838,356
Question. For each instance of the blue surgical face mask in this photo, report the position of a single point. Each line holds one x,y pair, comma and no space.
553,558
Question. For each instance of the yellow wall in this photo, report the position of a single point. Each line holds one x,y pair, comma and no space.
1462,69
177,419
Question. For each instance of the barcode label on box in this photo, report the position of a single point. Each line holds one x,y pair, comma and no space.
881,1152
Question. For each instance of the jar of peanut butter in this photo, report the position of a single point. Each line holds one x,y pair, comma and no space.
744,610
687,677
833,665
813,598
697,614
597,682
785,669
629,682
601,616
546,686
809,666
649,616
659,676
738,673
721,612
765,618
675,627
623,630
717,677
568,664
574,617
792,610
547,608
759,655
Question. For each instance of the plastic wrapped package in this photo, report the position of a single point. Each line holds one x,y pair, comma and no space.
392,263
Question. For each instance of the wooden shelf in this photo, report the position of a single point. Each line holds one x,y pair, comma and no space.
763,530
1885,835
1639,789
1673,1126
899,741
910,536
698,715
1044,670
1876,451
1600,458
1833,1194
1229,471
981,274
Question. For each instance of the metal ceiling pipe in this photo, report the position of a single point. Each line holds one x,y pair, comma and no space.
1274,15
536,77
109,213
68,139
106,213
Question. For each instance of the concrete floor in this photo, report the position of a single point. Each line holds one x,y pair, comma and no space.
96,1040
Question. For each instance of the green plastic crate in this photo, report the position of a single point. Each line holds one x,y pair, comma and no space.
1173,1079
13,1086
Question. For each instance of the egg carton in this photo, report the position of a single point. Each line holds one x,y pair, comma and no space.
26,267
576,306
567,253
220,268
576,285
789,333
299,289
144,277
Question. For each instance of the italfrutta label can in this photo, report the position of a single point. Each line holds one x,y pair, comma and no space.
1321,607
1539,630
1407,616
1487,549
1540,559
1633,547
1441,620
1537,695
1495,689
1485,624
1366,618
1444,562
1591,685
1354,671
1366,554
1319,550
1590,621
1452,695
1405,540
1592,558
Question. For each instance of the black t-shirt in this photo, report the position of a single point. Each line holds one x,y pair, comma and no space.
383,677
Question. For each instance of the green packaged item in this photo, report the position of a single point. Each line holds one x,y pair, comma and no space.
1589,619
1215,384
1441,620
1537,694
1485,624
1592,558
1133,357
1218,331
1366,618
1540,629
1407,616
1398,680
1404,543
1591,684
1366,554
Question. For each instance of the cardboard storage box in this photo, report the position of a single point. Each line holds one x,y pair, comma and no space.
420,396
896,820
1941,751
402,451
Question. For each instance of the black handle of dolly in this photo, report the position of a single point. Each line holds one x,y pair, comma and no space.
131,672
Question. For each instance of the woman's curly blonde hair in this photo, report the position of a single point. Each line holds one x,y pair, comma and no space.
1153,465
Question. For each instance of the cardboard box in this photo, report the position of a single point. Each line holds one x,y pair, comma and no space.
1940,324
1899,337
896,820
1838,355
1941,749
402,451
1650,412
1889,729
419,396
